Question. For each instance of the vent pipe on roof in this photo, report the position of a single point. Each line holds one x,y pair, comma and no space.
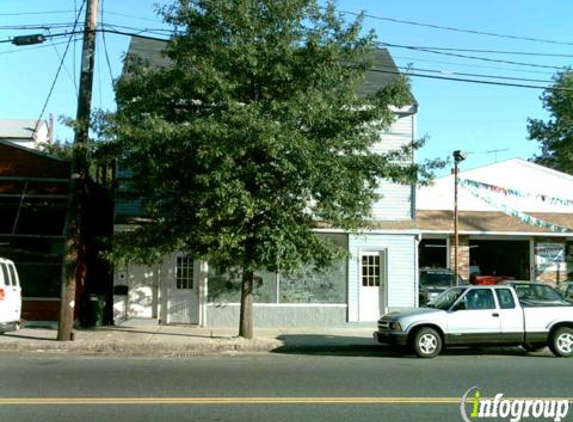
51,129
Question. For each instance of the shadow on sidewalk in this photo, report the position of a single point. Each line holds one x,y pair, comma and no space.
327,345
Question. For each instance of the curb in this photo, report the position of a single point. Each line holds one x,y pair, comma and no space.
116,347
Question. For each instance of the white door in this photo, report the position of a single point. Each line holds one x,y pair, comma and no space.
475,318
181,290
10,293
372,300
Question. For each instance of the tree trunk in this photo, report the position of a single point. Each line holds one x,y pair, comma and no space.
246,312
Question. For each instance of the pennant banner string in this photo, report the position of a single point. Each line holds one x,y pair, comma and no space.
527,219
515,192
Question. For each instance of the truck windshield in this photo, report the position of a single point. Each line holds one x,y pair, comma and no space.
447,298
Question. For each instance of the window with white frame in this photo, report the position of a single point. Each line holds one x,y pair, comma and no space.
184,275
371,270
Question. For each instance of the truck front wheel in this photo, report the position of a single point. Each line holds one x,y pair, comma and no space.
427,343
562,342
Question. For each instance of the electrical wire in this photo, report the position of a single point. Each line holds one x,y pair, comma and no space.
446,78
454,29
141,18
35,47
463,56
105,46
515,53
65,67
475,75
51,25
49,12
477,66
59,68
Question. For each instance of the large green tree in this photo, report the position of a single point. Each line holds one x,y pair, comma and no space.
253,134
556,134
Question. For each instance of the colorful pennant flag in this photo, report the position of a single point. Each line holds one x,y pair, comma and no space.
476,188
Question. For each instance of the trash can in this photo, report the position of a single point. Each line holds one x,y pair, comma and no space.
92,315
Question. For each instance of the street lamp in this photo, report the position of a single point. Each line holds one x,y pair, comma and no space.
459,156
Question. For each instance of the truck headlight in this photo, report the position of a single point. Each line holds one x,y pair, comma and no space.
394,326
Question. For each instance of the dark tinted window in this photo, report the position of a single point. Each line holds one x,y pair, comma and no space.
436,278
537,292
5,276
505,299
480,299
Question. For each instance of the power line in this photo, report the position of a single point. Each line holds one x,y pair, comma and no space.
35,47
463,56
48,12
446,78
36,26
47,36
141,18
516,53
59,68
65,67
477,66
475,75
132,34
158,31
105,46
454,29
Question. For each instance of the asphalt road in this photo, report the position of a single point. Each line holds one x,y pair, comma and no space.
361,386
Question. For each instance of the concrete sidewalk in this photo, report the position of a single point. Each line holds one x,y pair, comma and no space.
144,337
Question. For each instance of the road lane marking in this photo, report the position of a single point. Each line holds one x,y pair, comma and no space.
230,400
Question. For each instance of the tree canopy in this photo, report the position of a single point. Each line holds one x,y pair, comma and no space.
253,133
556,134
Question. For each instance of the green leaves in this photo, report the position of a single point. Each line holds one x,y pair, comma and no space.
556,134
254,133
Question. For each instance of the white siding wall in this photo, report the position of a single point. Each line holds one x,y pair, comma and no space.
396,201
402,253
142,292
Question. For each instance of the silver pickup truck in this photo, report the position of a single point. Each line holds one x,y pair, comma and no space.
479,316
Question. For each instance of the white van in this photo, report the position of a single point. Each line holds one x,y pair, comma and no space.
10,296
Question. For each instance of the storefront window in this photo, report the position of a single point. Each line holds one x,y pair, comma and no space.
226,286
306,285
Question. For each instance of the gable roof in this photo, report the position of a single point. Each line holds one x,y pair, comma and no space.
511,185
516,174
383,72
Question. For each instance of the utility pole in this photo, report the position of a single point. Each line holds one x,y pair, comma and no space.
459,156
74,268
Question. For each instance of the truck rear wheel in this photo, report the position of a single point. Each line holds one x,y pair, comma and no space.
562,342
427,343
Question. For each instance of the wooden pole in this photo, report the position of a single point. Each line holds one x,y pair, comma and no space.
74,268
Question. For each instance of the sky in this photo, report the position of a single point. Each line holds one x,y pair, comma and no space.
489,122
